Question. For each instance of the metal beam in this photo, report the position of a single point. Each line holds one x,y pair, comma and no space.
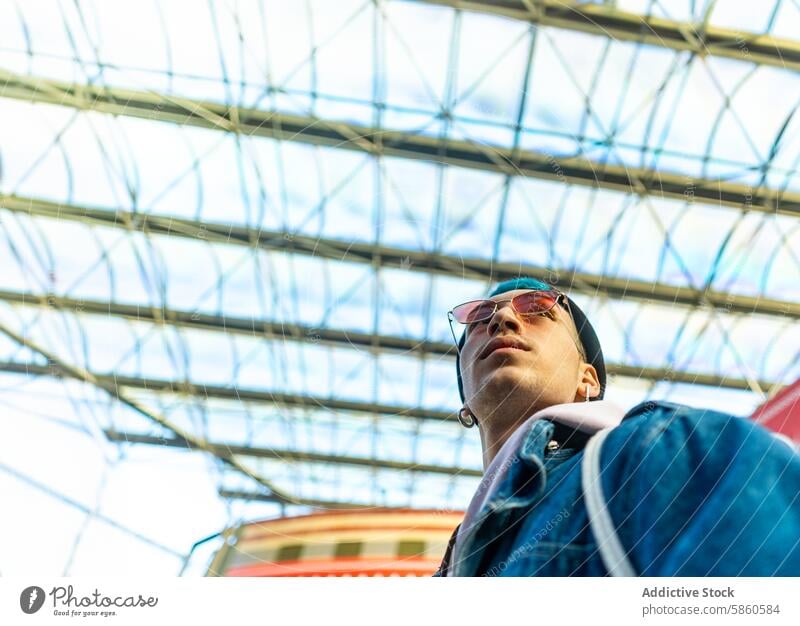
378,141
240,394
299,456
233,494
58,367
330,336
608,21
249,327
411,260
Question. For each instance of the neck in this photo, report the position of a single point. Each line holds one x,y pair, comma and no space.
494,435
500,423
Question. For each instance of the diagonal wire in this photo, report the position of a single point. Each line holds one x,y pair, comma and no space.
192,441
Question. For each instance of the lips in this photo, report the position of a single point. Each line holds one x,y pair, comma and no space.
503,342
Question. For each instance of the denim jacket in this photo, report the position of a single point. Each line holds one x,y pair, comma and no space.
691,492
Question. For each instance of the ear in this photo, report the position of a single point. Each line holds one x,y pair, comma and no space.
587,376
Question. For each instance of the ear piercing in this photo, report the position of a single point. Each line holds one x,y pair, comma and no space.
466,418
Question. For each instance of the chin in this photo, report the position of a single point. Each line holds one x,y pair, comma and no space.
507,380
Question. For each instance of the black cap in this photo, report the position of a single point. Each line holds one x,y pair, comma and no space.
589,340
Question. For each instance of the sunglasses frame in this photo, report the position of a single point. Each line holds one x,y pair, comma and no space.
560,298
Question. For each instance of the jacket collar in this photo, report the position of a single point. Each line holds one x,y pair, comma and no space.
526,445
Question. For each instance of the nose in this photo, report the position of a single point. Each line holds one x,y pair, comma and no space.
505,317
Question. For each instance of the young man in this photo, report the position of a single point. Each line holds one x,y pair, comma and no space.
681,491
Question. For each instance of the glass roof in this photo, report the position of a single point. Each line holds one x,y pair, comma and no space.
351,256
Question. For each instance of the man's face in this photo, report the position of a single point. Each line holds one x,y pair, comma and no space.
541,367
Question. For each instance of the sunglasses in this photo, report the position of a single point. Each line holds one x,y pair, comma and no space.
534,302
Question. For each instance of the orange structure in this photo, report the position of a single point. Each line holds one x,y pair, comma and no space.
373,542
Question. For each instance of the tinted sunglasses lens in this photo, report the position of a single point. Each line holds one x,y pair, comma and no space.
535,302
473,311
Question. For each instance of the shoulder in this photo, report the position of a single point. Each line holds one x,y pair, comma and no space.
660,414
699,492
667,430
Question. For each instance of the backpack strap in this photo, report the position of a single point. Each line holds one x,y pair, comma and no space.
611,551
